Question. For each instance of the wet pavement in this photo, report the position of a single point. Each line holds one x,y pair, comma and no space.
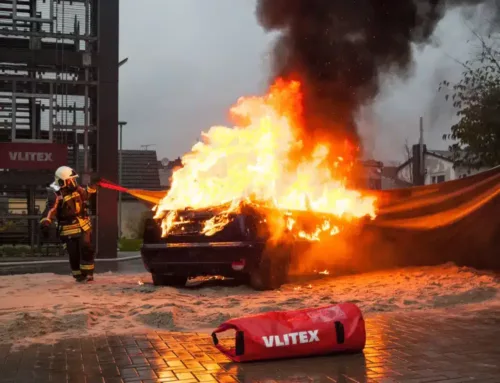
419,347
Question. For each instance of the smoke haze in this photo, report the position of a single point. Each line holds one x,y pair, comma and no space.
341,50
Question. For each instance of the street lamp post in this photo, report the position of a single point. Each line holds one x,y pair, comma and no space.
121,124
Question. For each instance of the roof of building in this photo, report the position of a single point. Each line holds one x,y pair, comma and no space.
165,163
441,153
140,170
445,155
390,176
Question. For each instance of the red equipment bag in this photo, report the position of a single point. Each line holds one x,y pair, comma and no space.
288,334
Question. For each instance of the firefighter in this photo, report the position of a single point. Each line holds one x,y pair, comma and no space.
67,204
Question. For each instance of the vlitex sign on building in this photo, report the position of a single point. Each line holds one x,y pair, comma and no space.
32,156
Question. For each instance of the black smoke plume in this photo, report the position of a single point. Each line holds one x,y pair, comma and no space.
339,49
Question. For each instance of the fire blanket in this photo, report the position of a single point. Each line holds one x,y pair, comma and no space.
300,333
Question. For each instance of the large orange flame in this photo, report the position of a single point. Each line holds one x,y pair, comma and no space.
252,163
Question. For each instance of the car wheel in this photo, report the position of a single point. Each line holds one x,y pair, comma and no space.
272,271
169,280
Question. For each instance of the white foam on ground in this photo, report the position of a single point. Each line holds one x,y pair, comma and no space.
43,308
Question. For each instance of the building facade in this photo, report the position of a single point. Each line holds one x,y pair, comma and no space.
139,171
58,97
437,166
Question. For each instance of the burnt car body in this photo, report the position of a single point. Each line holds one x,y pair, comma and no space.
240,250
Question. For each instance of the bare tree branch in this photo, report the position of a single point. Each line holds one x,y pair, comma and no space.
487,49
467,67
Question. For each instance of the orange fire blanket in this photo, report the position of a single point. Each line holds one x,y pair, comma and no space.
153,197
419,208
455,221
438,205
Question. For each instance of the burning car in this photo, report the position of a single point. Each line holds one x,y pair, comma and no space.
255,244
247,197
242,249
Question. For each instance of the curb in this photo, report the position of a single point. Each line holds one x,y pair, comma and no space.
65,261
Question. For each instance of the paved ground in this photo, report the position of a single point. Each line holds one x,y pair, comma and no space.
400,348
62,265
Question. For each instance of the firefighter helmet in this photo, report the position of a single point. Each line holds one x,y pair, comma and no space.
64,176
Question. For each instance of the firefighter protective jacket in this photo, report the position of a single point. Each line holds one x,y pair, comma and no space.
69,207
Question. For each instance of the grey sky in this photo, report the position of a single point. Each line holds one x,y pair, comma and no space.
189,61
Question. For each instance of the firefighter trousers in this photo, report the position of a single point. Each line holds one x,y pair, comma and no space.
81,254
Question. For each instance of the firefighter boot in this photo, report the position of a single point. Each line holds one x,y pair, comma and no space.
80,278
87,257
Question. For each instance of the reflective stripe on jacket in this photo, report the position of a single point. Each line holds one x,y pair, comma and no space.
78,221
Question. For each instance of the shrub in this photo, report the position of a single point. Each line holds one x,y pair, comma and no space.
130,244
136,227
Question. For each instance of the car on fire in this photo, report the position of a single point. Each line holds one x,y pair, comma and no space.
242,250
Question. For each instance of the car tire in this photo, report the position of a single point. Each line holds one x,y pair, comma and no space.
272,271
169,280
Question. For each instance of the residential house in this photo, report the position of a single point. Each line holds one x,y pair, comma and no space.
437,166
139,171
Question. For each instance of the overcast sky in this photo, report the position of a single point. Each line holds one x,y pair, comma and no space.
189,61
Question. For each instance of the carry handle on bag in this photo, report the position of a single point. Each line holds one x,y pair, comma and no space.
288,334
239,342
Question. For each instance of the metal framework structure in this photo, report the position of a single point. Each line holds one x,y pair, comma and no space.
59,84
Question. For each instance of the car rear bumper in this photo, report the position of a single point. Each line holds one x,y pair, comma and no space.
201,258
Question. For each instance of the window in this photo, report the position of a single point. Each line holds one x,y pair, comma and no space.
438,179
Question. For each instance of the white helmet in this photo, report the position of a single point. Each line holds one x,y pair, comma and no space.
63,174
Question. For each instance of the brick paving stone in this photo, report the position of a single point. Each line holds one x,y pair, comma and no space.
406,348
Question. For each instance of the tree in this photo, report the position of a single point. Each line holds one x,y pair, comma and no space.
477,100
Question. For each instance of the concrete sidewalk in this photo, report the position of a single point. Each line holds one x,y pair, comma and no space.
417,347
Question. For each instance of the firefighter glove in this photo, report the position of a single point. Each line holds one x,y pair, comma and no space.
45,228
92,188
45,223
